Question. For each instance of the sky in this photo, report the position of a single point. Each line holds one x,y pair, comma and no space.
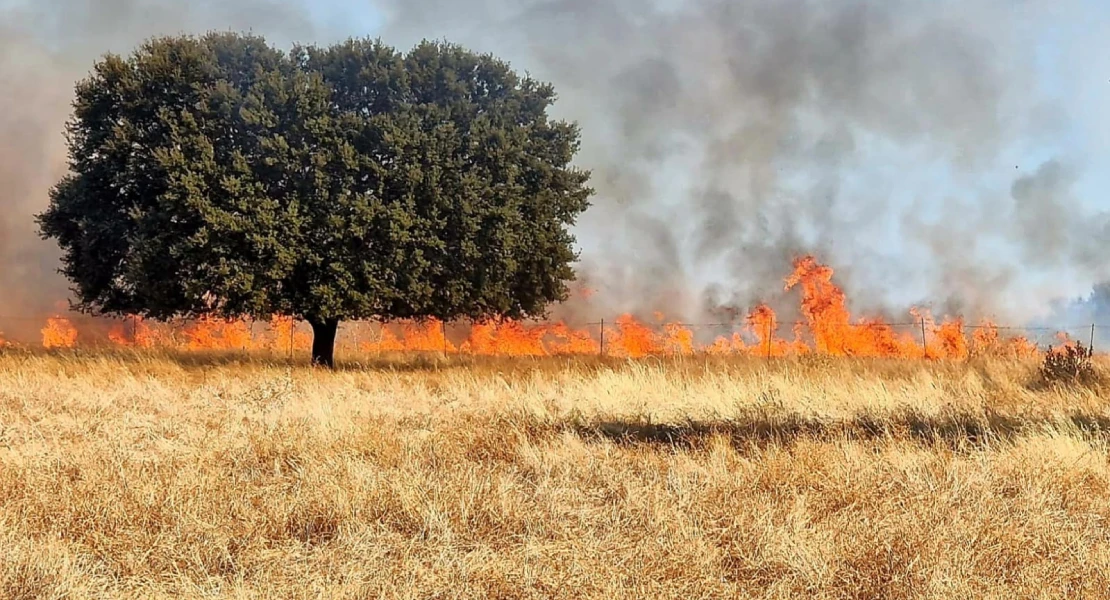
919,216
954,154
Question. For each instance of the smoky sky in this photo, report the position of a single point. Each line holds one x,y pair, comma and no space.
913,145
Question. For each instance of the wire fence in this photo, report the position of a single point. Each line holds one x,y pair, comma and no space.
618,337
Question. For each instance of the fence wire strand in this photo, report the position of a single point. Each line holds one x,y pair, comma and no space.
607,335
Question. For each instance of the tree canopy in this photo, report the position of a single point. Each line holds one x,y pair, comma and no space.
217,175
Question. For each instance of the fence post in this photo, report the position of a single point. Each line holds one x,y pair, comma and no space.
443,332
768,344
924,344
1091,348
602,350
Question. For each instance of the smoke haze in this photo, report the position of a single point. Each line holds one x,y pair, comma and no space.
891,138
913,145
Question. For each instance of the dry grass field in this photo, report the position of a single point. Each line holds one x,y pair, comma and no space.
136,476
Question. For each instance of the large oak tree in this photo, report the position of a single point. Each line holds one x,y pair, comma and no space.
219,176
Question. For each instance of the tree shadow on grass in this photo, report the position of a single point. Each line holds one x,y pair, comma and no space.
959,432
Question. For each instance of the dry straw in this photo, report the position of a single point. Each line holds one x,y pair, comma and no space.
133,476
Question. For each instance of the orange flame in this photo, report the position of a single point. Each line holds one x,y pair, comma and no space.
762,323
825,308
950,341
218,334
505,337
565,340
59,333
631,339
827,328
429,336
285,337
680,340
724,346
135,332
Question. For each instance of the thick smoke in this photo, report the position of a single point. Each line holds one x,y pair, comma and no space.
45,47
726,136
892,138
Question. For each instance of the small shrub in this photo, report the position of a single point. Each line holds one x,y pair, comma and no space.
1069,364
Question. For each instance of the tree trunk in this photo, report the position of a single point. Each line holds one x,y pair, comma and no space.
323,342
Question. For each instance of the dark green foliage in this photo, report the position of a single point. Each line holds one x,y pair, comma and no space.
217,175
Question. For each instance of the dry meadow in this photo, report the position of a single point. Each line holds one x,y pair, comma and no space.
140,476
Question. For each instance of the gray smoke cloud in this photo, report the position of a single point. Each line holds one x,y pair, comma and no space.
1060,236
728,136
891,138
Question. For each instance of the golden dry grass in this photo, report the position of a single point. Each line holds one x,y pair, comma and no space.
130,476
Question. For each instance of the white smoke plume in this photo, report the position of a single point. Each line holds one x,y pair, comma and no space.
893,138
914,145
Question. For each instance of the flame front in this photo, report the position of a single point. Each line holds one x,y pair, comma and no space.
59,333
825,308
828,328
137,333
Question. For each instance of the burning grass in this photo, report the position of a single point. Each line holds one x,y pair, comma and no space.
828,329
142,476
